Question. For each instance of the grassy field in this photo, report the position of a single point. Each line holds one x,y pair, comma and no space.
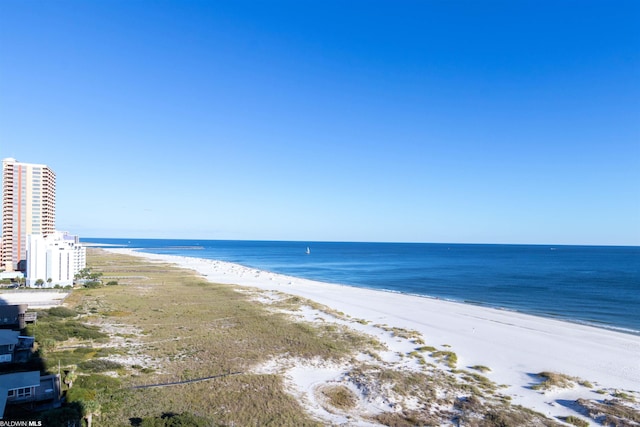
161,324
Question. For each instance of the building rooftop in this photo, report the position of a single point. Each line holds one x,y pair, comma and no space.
8,336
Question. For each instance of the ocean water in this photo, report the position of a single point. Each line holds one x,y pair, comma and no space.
596,285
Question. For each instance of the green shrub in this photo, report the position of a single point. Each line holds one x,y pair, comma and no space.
97,382
63,330
77,394
99,365
62,312
93,284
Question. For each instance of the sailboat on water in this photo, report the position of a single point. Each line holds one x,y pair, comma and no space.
308,250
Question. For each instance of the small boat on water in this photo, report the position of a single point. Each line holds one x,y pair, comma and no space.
308,250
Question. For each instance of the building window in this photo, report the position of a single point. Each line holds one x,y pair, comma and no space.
20,393
24,392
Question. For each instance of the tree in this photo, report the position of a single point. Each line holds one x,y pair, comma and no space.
95,276
49,280
83,274
39,283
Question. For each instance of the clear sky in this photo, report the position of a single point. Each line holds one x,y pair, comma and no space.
361,120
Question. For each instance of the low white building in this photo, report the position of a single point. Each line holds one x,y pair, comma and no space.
54,259
11,275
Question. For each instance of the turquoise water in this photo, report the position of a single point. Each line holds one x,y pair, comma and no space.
597,285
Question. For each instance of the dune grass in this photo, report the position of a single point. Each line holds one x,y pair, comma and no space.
557,380
339,396
177,326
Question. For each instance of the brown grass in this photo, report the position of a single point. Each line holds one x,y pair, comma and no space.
339,396
611,412
556,380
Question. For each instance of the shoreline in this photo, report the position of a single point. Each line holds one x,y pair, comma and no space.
611,328
515,346
539,314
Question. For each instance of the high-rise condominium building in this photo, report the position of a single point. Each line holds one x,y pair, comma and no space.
28,207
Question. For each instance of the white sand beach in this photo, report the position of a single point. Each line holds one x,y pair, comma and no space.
514,346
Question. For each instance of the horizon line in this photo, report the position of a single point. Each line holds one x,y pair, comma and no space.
371,241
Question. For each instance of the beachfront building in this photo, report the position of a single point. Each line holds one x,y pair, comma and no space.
15,348
29,391
12,316
28,207
54,259
8,342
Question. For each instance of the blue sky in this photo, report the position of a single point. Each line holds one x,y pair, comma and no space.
419,121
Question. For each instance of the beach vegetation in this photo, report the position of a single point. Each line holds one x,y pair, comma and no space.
444,399
116,313
195,329
471,389
289,303
585,383
60,327
92,284
579,422
426,348
513,418
481,381
406,419
402,333
59,311
339,396
622,395
448,357
417,355
480,368
611,412
555,380
169,419
100,365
